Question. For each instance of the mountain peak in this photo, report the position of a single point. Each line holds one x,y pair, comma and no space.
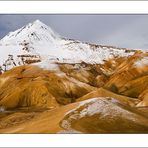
39,23
35,31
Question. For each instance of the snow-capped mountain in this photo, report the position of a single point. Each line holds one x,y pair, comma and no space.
37,42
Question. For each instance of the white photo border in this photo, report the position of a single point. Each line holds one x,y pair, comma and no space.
74,7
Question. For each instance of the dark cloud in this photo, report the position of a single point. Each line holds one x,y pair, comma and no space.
118,30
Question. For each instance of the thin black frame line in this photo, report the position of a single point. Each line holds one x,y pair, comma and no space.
74,0
73,13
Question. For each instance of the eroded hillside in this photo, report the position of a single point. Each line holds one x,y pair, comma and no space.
111,97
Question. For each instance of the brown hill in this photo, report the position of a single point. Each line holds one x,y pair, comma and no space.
144,97
34,121
26,86
95,115
105,115
106,93
76,98
130,78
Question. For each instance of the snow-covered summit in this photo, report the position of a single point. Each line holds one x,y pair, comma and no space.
36,42
33,32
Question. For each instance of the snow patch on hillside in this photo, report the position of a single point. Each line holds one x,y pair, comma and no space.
47,65
92,106
142,62
2,109
104,107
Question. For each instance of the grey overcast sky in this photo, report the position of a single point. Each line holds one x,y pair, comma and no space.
129,31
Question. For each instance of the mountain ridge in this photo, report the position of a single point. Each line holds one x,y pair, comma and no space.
38,40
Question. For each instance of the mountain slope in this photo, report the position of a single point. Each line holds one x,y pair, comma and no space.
37,42
131,77
104,115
